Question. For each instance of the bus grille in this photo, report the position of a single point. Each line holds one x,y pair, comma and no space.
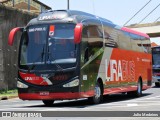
60,77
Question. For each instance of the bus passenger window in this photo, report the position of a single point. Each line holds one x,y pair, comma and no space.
124,41
110,41
95,37
146,45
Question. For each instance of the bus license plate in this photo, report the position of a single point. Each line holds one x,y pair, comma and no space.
44,93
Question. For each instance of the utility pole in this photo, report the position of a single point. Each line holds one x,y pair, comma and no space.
13,3
68,4
29,5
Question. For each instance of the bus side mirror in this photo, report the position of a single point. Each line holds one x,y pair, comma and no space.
78,33
12,34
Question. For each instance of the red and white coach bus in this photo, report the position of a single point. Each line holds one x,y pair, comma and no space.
67,54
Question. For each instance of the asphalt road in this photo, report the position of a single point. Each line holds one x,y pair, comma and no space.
150,101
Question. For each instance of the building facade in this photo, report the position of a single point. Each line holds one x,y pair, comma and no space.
34,6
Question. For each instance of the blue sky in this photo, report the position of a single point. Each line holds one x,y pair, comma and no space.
118,11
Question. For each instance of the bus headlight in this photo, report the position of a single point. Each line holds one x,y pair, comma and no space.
21,85
72,83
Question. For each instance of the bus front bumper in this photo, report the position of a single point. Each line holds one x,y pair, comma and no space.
155,79
49,96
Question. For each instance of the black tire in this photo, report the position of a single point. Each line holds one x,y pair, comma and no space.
48,102
138,92
98,97
157,84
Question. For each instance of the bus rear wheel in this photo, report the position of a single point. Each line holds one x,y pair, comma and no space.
98,96
138,92
48,102
157,84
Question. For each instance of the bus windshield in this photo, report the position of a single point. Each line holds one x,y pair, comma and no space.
156,59
156,56
47,44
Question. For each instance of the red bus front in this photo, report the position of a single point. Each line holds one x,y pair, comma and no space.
49,62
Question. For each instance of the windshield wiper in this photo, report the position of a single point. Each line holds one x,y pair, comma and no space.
40,56
54,61
42,53
51,60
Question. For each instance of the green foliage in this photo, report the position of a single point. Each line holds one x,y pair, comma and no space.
8,92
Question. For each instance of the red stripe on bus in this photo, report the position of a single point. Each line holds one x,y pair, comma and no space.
33,78
134,32
58,96
55,96
123,89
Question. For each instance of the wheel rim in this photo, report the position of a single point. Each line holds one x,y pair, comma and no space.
139,88
97,92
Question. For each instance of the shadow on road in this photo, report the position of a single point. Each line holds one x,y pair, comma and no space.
82,103
156,87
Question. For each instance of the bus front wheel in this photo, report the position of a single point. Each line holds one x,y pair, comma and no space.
157,84
98,96
48,102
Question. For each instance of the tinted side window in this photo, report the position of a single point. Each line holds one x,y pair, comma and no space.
94,32
140,43
95,38
146,44
92,41
111,38
84,46
136,42
124,40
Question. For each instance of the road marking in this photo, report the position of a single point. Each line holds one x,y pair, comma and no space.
153,97
65,109
20,109
132,105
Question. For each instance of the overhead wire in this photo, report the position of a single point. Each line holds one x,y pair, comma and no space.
157,19
137,12
149,13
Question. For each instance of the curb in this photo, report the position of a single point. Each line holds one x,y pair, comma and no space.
7,97
4,98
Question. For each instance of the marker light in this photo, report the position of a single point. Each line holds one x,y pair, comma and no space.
72,83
